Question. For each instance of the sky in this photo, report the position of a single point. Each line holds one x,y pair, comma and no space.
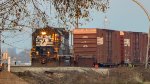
123,15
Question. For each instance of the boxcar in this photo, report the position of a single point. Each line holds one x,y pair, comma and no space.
108,47
133,49
96,46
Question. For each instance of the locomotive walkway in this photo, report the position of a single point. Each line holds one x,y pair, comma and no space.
9,78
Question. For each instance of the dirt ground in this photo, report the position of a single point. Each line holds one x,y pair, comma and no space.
10,78
75,75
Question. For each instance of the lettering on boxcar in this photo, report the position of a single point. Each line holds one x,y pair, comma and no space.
126,42
85,46
83,42
100,41
85,37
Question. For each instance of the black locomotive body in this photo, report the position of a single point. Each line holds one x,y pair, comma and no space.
48,43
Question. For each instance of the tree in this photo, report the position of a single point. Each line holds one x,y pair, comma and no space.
31,13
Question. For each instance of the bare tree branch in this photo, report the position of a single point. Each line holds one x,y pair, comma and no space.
28,12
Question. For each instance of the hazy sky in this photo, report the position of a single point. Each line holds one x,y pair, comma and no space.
122,15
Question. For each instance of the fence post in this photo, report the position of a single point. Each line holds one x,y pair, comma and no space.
8,64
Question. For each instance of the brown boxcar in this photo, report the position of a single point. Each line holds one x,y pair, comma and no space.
96,46
85,46
110,47
133,47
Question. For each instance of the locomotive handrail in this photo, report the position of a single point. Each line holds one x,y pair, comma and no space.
65,55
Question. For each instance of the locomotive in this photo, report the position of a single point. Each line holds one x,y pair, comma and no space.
48,43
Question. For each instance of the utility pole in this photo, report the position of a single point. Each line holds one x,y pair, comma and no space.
0,48
148,44
106,22
77,17
77,23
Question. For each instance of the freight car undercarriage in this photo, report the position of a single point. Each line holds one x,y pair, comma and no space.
61,60
68,60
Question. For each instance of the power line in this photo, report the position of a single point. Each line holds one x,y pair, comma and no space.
1,30
13,46
15,35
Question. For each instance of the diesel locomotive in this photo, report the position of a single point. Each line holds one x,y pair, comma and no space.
48,43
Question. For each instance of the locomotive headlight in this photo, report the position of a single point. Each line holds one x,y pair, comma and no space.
43,33
48,53
37,53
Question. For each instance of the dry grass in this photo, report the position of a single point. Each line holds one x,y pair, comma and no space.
88,76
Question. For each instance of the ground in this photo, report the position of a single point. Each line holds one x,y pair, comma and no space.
78,75
10,78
